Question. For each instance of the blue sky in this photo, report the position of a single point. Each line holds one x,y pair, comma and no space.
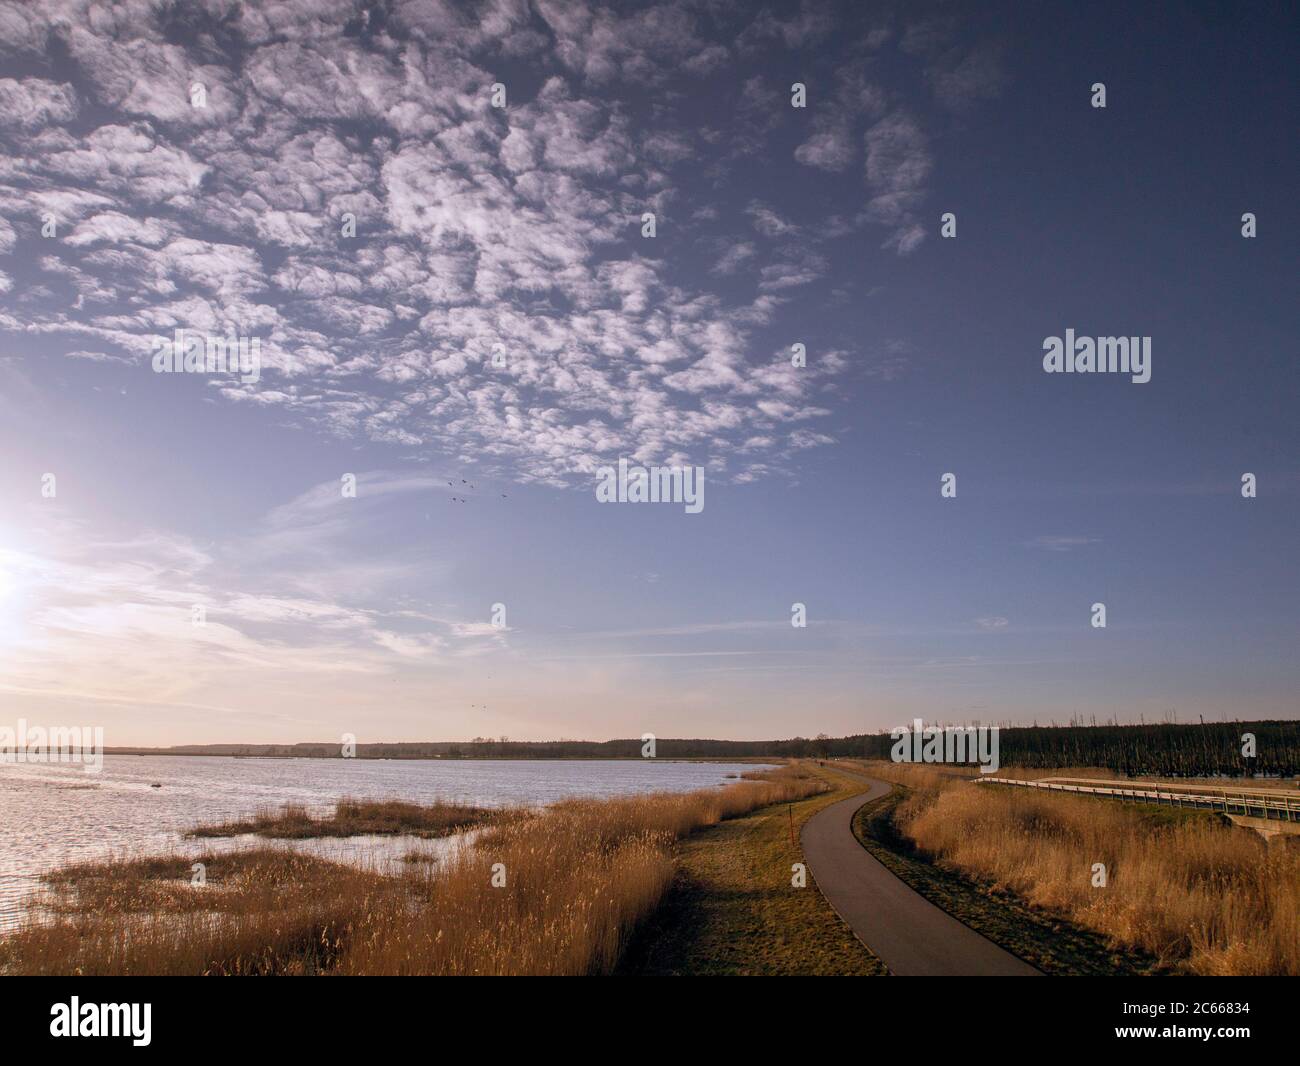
518,231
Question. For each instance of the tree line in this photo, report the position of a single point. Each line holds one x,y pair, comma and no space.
1165,749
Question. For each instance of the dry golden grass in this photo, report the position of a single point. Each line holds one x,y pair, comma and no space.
239,880
262,911
1203,896
578,877
732,909
354,818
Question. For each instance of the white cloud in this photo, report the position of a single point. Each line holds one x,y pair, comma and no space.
33,102
480,232
898,164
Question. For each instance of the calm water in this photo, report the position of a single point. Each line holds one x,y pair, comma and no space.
54,815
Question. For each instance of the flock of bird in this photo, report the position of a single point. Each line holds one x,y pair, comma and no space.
461,499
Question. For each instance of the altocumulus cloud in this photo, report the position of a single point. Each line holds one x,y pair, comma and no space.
497,298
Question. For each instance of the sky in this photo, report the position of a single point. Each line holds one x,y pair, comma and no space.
461,306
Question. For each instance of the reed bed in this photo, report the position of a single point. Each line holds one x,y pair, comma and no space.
1203,896
261,911
353,817
556,891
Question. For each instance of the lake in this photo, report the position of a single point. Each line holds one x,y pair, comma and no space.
58,814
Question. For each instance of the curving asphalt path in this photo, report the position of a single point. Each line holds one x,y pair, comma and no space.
907,932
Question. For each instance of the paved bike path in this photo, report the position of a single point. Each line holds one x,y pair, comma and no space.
907,932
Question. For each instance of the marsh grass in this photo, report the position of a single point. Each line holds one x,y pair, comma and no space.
352,818
261,911
1197,893
578,877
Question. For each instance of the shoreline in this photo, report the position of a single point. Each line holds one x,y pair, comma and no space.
557,891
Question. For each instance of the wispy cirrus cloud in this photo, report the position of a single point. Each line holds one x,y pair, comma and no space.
1062,543
157,618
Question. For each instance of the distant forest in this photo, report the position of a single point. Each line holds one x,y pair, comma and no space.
1164,749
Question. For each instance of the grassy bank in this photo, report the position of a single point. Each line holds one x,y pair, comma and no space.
552,892
731,908
1183,888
